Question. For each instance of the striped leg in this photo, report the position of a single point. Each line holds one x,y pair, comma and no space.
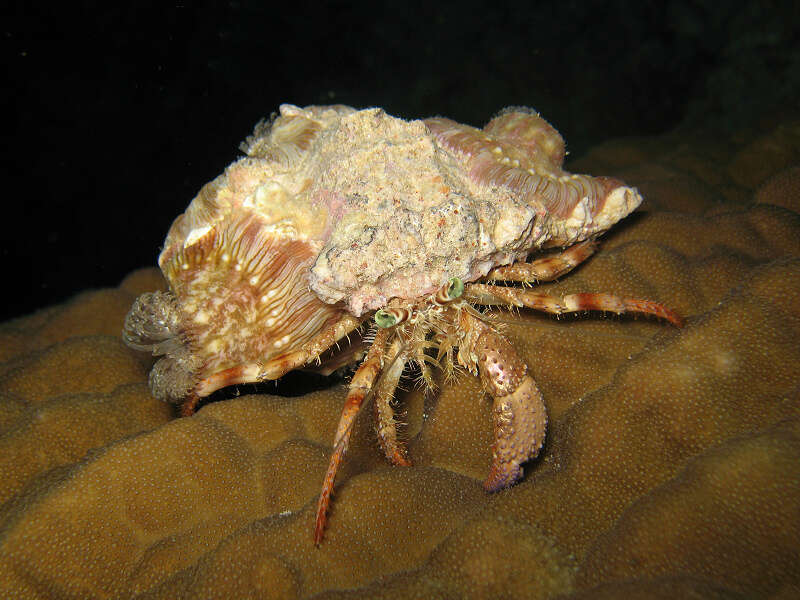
360,385
386,424
519,414
490,295
189,404
545,269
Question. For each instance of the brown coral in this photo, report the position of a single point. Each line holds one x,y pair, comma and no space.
672,467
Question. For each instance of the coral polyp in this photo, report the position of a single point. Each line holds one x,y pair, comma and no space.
340,220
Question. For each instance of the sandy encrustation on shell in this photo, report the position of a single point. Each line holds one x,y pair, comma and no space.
394,208
408,221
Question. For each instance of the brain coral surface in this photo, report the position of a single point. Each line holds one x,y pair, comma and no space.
671,466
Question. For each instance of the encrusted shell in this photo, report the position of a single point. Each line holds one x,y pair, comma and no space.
335,210
394,208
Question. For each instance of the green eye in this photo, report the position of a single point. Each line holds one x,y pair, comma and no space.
384,319
455,288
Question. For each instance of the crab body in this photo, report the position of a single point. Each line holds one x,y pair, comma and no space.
338,220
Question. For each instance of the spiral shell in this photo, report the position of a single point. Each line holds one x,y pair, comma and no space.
335,211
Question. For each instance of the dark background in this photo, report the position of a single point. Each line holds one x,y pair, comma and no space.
113,117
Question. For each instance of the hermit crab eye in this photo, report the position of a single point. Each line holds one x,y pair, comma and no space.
384,319
455,288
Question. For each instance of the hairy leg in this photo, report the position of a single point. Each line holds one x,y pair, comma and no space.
386,424
545,269
490,295
362,382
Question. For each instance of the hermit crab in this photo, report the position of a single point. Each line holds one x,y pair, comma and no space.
340,220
